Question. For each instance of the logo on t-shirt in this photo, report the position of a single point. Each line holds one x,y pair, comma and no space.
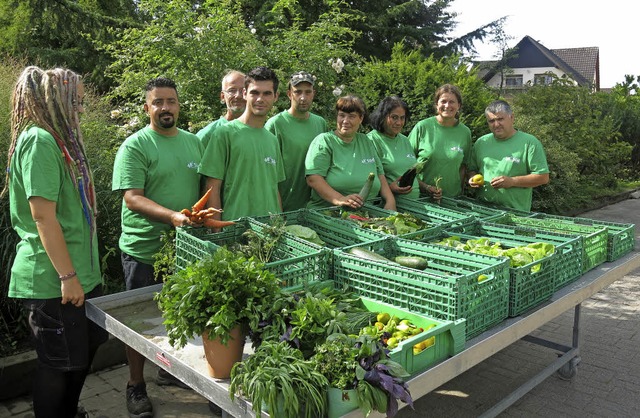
192,165
456,149
368,160
512,159
270,160
411,156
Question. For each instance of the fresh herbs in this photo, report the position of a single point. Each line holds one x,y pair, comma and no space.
164,261
363,364
216,294
277,377
261,244
305,320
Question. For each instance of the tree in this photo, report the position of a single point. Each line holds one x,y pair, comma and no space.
62,32
196,45
381,24
585,153
414,77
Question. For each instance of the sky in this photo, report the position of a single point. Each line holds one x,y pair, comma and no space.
611,26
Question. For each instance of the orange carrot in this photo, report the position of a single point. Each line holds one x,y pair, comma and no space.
214,223
200,204
186,212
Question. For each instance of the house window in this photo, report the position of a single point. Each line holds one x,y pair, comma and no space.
542,79
513,81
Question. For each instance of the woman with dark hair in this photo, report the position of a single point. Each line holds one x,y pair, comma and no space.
339,162
393,148
53,206
445,143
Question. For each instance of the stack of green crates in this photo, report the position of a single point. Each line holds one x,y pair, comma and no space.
594,238
621,237
295,262
465,206
334,234
536,282
449,288
434,213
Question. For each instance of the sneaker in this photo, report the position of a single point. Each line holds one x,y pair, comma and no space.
81,413
138,403
164,378
215,409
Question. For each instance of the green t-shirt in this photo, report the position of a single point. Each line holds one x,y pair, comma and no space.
205,133
37,169
446,149
519,155
294,136
397,157
166,167
248,162
345,166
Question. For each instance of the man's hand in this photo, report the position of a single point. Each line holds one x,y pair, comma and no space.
502,182
72,292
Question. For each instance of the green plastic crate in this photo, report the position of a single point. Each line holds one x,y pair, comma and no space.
447,289
621,237
334,234
449,338
568,247
594,238
295,262
532,284
432,213
492,206
334,213
465,206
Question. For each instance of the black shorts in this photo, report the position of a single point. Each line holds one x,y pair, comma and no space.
64,338
136,273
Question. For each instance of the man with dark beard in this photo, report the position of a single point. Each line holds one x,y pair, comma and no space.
156,169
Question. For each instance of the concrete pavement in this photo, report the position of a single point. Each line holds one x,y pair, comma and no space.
607,383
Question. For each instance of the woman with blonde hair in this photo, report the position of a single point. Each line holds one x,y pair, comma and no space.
52,206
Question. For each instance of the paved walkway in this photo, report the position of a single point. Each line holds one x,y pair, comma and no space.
607,383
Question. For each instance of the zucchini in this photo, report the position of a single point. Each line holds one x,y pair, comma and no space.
412,262
410,175
369,255
366,189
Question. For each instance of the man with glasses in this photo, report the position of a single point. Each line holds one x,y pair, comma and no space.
242,161
231,95
295,128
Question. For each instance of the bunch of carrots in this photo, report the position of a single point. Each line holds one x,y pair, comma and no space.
201,216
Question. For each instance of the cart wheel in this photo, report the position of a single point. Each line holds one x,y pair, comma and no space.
569,370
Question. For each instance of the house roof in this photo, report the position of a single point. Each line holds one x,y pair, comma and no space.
584,60
580,63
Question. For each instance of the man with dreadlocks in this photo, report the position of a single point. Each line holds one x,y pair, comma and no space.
53,207
156,169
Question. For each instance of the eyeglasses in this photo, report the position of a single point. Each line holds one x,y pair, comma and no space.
233,92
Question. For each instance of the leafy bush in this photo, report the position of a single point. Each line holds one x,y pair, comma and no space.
584,151
415,78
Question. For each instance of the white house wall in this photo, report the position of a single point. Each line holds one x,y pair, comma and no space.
527,74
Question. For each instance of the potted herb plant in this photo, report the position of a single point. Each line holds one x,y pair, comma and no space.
221,298
278,379
361,367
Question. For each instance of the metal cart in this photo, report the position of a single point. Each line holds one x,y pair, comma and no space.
134,318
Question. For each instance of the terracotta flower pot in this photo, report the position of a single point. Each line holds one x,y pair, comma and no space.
220,357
